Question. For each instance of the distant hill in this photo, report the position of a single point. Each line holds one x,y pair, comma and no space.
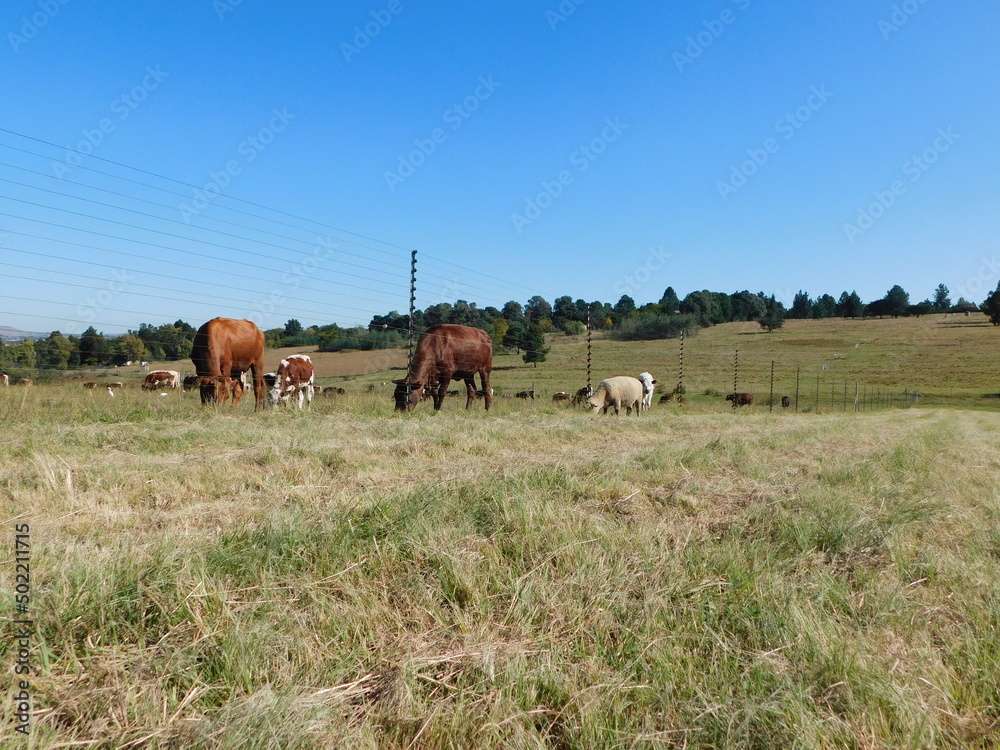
13,335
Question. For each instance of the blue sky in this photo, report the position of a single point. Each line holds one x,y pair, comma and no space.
535,147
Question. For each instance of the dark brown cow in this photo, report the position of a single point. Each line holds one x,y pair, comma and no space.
741,399
225,348
582,395
445,353
786,401
666,398
561,396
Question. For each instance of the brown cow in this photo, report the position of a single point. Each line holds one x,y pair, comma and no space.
561,396
161,379
225,348
741,399
666,398
90,386
295,375
445,353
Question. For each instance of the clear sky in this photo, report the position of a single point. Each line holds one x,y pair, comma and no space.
541,147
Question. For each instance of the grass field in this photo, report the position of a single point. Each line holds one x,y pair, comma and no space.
536,577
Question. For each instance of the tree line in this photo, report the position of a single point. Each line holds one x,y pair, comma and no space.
518,327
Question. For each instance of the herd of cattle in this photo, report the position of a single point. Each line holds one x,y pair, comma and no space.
228,357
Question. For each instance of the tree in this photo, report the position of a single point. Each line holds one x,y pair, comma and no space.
534,345
624,307
771,320
293,327
54,352
513,311
747,306
127,348
897,300
563,311
850,305
991,306
801,306
94,348
514,338
499,331
942,303
536,309
670,302
825,306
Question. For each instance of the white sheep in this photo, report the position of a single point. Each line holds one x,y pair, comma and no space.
617,392
648,381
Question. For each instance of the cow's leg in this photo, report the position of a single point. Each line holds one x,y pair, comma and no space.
470,391
484,378
309,395
257,369
440,391
301,397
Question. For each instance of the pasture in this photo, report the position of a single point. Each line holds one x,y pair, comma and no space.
536,577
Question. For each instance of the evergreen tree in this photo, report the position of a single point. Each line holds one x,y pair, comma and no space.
991,306
534,345
670,302
801,306
942,303
293,327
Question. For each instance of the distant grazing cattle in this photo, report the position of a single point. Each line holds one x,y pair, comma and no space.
582,395
295,376
785,402
560,396
225,348
331,390
525,394
90,386
115,386
666,398
445,353
161,379
4,380
190,381
25,382
317,389
740,399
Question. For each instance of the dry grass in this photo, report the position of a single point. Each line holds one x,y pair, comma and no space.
533,578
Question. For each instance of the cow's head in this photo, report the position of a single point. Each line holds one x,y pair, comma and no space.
407,394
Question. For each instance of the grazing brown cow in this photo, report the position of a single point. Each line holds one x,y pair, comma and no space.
225,348
741,399
786,401
115,386
90,386
445,353
161,379
295,375
666,398
525,394
561,396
